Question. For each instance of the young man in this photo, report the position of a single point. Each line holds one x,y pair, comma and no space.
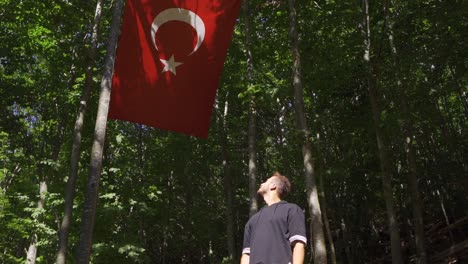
276,234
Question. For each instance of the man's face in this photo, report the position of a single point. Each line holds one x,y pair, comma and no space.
265,186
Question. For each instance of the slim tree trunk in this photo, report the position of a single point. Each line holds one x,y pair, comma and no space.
447,221
347,242
318,238
75,153
281,133
32,250
410,146
325,216
227,180
253,208
167,218
323,202
43,189
89,209
385,164
459,86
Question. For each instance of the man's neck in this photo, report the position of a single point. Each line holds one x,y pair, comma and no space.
271,199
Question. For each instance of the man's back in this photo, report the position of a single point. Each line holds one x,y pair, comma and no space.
270,232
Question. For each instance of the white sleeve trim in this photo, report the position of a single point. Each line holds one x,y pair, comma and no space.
298,238
246,251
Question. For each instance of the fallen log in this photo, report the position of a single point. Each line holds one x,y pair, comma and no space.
453,250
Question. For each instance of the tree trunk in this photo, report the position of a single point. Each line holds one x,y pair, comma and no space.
347,242
444,211
227,180
75,153
32,250
280,129
410,146
43,188
89,209
325,217
459,86
385,163
318,238
253,208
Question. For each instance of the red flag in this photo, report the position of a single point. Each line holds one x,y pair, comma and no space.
169,62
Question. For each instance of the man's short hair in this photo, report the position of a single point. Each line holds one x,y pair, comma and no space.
283,186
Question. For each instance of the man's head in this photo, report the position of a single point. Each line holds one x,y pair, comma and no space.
277,183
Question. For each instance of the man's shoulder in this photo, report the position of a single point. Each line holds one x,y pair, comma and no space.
254,216
281,206
291,205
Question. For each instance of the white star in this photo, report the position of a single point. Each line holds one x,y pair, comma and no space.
170,65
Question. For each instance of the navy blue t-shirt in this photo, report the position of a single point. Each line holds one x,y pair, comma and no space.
270,232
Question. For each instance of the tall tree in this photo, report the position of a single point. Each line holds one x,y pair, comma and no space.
32,249
44,181
163,197
385,162
252,130
77,135
89,210
408,128
318,237
222,112
325,216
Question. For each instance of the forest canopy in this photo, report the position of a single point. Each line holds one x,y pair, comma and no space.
363,105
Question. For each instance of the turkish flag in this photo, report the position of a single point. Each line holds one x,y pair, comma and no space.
169,62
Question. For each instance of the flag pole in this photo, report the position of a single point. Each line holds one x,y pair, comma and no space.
91,196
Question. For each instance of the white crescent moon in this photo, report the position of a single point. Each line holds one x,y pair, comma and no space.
179,14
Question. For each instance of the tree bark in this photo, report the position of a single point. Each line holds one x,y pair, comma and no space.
325,217
227,182
444,211
32,250
89,209
385,164
43,188
280,131
347,242
77,134
459,85
253,207
318,238
410,146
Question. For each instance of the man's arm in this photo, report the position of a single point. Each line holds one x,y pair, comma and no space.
298,240
298,253
245,259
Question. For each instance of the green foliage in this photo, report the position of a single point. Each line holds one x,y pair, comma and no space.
162,194
133,253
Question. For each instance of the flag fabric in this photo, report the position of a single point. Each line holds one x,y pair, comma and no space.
169,62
